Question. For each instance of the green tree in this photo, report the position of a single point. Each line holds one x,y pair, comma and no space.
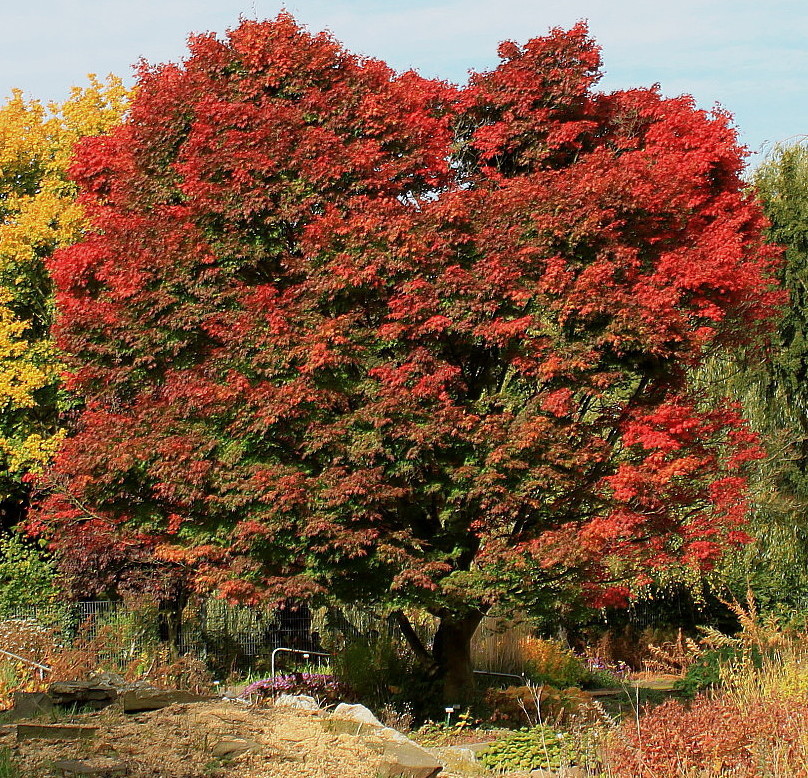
27,576
769,379
774,391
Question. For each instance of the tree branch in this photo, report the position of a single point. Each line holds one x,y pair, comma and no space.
411,636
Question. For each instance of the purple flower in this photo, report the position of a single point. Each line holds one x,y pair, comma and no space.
317,685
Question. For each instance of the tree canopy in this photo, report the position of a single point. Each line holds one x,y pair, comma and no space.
772,391
350,333
38,213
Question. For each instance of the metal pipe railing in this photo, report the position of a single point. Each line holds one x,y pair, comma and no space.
42,668
305,654
504,675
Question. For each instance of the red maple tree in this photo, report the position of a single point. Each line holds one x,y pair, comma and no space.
347,333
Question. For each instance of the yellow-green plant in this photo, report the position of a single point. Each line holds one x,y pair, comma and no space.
765,660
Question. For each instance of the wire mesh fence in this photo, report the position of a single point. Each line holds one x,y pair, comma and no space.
230,637
226,636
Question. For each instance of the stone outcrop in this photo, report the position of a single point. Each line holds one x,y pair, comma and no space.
401,757
147,698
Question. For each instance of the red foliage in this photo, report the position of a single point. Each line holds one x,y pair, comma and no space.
714,735
338,328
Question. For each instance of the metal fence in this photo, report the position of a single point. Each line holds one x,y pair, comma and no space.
222,634
229,637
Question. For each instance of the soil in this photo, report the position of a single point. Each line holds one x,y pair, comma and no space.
180,741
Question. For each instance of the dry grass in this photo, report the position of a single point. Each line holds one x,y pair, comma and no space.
498,646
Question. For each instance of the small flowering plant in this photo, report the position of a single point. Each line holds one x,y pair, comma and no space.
595,663
603,674
321,686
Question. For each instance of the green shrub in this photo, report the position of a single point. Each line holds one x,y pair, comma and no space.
705,672
27,576
603,679
382,673
8,767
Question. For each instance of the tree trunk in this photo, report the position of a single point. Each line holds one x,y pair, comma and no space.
451,652
169,619
449,662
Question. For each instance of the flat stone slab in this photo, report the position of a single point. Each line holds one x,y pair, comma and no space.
55,732
154,699
29,705
233,746
94,694
95,767
89,690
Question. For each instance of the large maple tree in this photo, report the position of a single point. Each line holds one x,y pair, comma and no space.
348,333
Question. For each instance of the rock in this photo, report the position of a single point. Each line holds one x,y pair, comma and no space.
83,693
475,748
153,699
407,760
358,713
455,758
564,772
29,705
100,767
388,733
112,680
233,746
348,727
233,692
296,701
55,732
401,758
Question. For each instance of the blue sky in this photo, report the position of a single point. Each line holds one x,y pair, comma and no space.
750,57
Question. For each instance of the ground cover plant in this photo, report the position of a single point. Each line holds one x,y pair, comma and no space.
541,747
323,687
343,332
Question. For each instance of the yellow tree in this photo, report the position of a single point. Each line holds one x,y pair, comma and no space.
38,214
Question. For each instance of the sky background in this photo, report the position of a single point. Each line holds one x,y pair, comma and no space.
750,57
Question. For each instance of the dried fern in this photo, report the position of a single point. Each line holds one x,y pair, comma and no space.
673,656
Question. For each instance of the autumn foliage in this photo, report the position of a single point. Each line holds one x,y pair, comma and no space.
717,736
341,330
38,214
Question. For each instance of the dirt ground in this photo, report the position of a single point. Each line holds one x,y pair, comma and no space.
182,741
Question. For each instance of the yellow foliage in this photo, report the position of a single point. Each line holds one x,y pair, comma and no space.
550,661
769,661
38,214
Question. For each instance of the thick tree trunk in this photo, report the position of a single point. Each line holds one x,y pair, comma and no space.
451,652
169,620
449,662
